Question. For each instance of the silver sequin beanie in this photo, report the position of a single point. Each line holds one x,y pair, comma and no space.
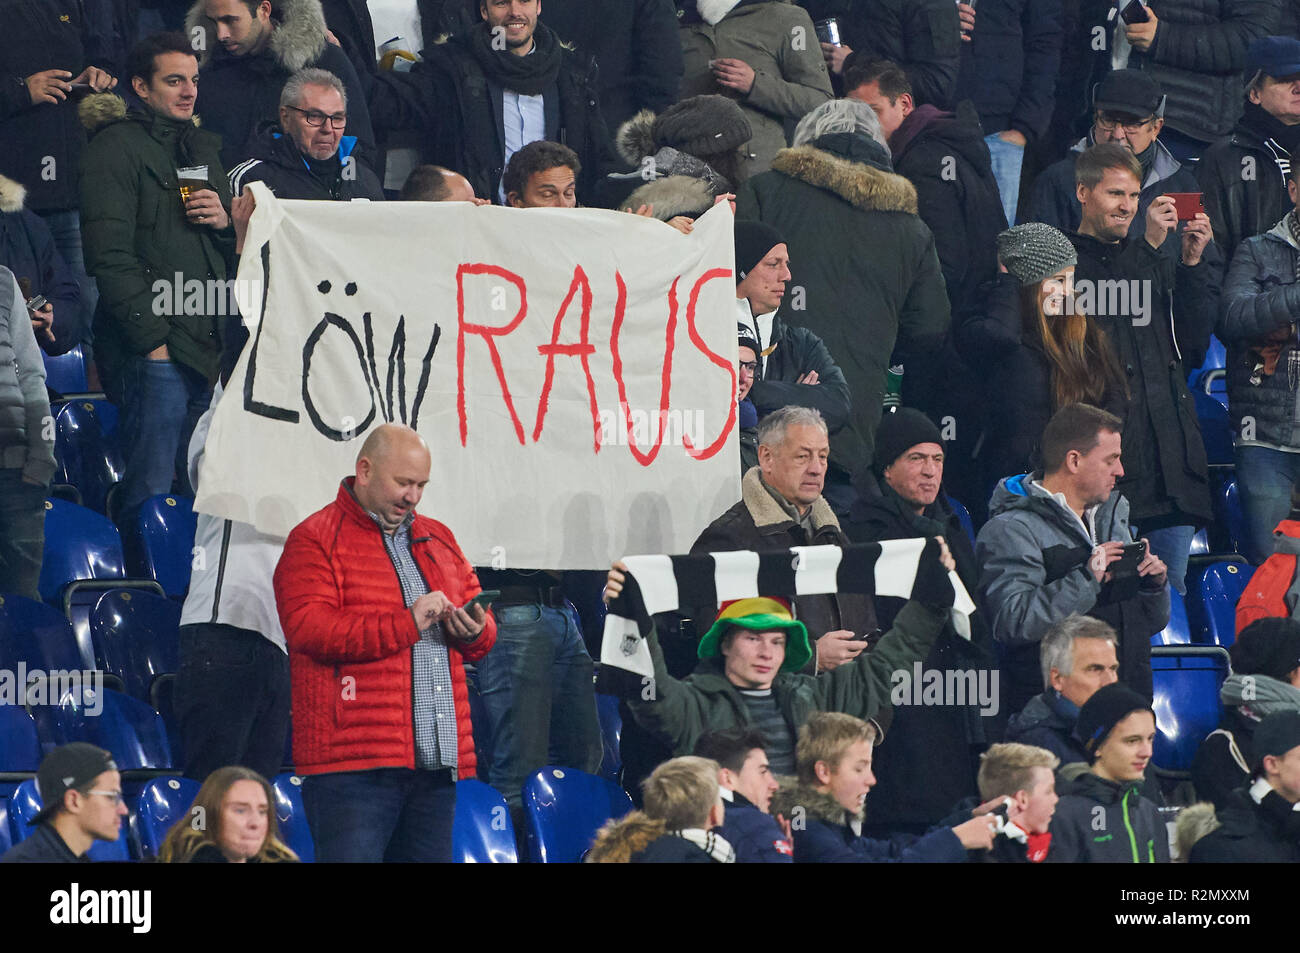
1034,251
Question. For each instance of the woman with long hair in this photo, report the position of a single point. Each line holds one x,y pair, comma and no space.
232,821
1036,351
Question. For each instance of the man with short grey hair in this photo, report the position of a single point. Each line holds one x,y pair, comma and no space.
306,155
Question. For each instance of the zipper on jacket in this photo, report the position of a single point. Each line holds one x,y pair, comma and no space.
221,571
1132,837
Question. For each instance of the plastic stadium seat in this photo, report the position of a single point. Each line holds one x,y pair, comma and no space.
136,637
25,804
482,832
1187,681
20,747
160,543
1228,512
1217,591
6,835
611,735
1216,430
1178,631
79,544
85,452
162,802
128,728
66,373
292,817
38,636
963,516
565,809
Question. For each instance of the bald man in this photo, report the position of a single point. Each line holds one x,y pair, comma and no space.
433,183
375,602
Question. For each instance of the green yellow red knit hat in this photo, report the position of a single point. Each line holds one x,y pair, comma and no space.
760,614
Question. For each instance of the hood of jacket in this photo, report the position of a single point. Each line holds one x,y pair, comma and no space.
673,195
619,839
1022,492
1281,233
98,111
635,139
12,195
854,167
298,37
713,12
1094,788
816,805
767,513
1194,822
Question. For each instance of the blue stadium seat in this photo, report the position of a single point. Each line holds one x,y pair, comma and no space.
25,804
1187,681
162,802
38,636
1217,591
6,834
136,637
611,735
565,808
1228,512
482,832
963,516
292,817
160,543
20,747
1178,631
1216,429
66,373
85,451
128,728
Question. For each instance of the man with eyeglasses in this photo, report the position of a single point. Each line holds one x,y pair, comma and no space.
81,793
1128,109
306,155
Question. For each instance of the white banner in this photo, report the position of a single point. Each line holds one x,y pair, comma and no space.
573,371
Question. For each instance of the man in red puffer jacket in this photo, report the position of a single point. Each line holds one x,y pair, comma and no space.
371,600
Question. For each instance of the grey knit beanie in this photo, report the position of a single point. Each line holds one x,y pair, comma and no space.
705,125
1034,252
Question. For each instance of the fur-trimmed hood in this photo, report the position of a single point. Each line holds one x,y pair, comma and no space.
861,185
767,512
298,37
795,801
635,139
1194,822
671,196
12,195
619,839
99,110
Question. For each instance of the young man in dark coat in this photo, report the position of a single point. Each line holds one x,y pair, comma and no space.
930,761
748,784
1103,817
1160,331
1261,823
81,797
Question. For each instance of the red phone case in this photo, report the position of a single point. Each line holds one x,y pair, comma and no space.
1188,204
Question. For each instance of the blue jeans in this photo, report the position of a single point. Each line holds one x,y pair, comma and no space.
1173,544
536,685
162,401
392,815
1007,159
1264,481
22,534
65,229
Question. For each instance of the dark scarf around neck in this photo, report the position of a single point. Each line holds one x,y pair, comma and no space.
528,75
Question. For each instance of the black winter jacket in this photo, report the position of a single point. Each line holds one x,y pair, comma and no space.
796,351
756,837
27,249
1128,829
1261,295
1250,833
1216,770
1165,480
1009,67
276,161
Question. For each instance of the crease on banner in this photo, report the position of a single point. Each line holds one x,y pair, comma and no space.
265,221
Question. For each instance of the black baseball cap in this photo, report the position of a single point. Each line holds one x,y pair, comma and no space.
1129,91
68,767
1277,734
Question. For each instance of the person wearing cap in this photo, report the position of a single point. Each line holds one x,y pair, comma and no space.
1260,821
1263,142
781,505
763,55
1102,816
751,673
1048,550
930,761
795,369
747,351
835,776
81,798
1128,109
1265,680
1036,352
1159,317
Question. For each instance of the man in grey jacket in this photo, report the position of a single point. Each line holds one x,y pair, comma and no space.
26,444
1055,544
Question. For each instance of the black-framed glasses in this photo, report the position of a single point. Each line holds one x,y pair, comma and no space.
317,118
1108,123
751,366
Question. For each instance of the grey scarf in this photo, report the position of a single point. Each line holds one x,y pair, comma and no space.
1257,696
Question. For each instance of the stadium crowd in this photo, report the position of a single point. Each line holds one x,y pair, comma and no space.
980,251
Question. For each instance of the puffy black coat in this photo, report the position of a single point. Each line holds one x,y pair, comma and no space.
1238,206
239,93
1251,833
1260,295
1216,772
922,36
931,756
456,109
866,261
1166,479
38,35
796,351
276,161
27,249
1009,67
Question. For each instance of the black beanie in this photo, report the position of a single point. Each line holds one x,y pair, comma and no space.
753,241
1277,734
899,432
1267,647
704,126
1107,707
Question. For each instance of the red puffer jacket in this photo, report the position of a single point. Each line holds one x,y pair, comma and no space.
350,638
